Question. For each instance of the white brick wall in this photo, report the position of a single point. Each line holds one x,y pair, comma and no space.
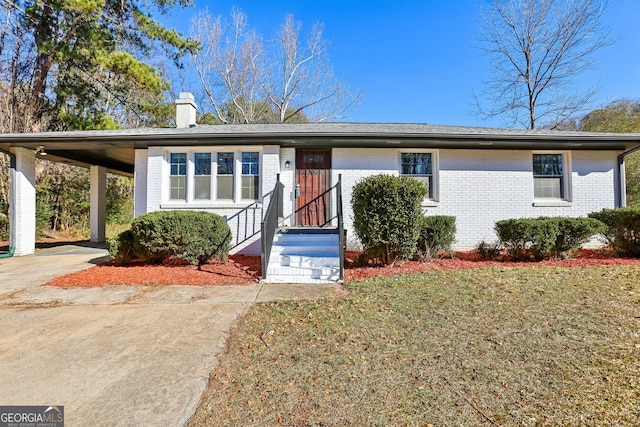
478,187
140,182
155,165
482,187
23,212
157,178
288,177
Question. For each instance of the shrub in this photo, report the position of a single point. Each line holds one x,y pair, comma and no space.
120,247
489,251
526,238
386,211
195,237
573,232
436,233
4,227
537,238
622,229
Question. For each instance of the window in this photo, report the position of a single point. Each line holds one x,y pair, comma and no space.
210,176
202,176
178,176
548,176
250,175
418,166
225,176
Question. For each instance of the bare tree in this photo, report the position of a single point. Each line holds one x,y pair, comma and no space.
288,79
538,48
225,66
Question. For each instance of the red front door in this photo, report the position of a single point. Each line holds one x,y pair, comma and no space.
313,179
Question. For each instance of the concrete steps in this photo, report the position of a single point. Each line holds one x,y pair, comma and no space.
304,255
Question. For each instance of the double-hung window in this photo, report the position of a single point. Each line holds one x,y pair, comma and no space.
549,176
178,176
202,176
418,166
224,177
250,175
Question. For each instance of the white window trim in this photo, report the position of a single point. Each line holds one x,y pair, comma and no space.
567,187
191,202
435,172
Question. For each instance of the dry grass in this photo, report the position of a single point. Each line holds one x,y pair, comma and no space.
513,347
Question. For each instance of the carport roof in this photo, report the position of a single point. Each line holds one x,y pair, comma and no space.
114,149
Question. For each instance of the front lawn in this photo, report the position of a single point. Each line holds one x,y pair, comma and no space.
498,346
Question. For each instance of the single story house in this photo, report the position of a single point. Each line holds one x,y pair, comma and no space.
478,175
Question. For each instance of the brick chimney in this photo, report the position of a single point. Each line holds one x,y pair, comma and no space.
186,110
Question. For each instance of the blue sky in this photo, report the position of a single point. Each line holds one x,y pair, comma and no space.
415,60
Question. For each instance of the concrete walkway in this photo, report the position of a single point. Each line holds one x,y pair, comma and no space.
120,355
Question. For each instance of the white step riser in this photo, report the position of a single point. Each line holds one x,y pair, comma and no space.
293,273
331,261
308,251
298,239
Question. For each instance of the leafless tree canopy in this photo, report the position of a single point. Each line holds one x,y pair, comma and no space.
248,80
538,48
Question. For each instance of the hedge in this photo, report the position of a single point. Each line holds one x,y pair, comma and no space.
195,237
622,229
537,238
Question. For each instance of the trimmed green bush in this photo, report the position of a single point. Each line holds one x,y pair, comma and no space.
194,237
537,238
622,229
527,238
573,232
120,247
436,233
386,213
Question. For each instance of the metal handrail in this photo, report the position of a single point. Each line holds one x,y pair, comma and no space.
341,234
339,216
269,224
315,199
246,232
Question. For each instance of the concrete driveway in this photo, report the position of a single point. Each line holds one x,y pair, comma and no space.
120,355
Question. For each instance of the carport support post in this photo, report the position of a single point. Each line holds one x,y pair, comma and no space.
22,212
98,201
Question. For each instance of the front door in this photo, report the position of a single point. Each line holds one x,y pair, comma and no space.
313,181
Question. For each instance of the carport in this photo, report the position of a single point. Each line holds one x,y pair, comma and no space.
100,151
78,149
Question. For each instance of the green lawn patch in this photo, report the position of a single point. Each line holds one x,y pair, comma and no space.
515,347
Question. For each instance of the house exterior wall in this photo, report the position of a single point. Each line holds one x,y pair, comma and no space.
480,187
243,216
23,210
140,177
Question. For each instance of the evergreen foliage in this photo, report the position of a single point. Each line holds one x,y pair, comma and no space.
437,234
537,238
85,64
622,229
194,237
386,216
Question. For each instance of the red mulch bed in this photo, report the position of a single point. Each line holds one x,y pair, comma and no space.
244,269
